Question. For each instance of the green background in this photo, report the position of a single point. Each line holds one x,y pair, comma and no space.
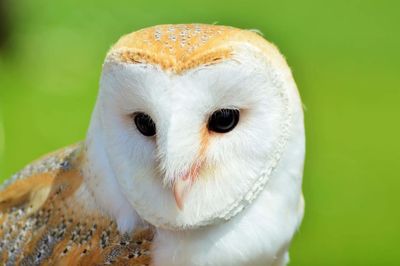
345,58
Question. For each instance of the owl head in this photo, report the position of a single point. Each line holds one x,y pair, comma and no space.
191,122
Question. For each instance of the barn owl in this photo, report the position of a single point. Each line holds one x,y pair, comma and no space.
194,156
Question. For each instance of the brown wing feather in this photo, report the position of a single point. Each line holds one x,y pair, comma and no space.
42,223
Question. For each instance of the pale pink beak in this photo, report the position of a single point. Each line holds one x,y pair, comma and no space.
183,184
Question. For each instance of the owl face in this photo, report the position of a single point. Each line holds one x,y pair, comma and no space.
190,146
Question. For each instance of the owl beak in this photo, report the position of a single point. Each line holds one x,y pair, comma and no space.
183,185
181,189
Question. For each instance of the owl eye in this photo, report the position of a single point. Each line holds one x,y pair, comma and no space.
145,124
223,120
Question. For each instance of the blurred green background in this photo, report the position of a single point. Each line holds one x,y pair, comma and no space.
345,58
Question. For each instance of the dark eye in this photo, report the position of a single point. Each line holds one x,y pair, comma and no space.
145,124
223,120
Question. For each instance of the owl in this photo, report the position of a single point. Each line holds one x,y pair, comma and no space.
194,156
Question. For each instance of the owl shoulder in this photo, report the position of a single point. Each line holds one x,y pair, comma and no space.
43,221
29,188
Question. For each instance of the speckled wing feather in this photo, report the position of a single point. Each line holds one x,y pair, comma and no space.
43,222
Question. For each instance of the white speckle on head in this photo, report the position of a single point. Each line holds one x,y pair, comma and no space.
172,37
157,35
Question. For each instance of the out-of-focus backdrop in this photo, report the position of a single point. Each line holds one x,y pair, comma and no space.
345,57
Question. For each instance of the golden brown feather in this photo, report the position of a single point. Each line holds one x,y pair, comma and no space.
43,222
